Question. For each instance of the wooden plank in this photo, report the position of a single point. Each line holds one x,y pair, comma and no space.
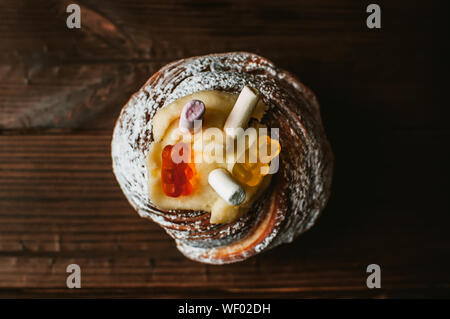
60,204
51,76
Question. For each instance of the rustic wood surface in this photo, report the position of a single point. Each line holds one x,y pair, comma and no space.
382,104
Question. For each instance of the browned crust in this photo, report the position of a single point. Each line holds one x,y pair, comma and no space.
298,192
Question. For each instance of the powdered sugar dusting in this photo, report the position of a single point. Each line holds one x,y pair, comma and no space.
305,173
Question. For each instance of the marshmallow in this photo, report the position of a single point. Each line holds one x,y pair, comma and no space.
226,187
242,111
192,111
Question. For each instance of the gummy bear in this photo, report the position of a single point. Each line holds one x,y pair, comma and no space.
176,178
251,173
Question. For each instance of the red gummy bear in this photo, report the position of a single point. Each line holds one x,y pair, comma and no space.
175,177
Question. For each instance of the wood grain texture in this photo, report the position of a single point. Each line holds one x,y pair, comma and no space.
61,91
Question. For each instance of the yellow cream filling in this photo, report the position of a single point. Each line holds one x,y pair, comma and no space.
203,197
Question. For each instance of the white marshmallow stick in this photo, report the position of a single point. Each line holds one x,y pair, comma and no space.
241,112
226,187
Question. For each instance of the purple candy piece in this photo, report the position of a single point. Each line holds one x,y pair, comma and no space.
192,110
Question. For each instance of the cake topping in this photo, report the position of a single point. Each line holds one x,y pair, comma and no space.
251,172
176,177
226,187
204,150
192,111
241,112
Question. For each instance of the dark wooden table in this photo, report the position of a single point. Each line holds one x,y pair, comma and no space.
382,97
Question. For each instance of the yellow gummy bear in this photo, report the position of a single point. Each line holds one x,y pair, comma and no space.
252,174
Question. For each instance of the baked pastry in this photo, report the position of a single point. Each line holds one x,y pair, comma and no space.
214,216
